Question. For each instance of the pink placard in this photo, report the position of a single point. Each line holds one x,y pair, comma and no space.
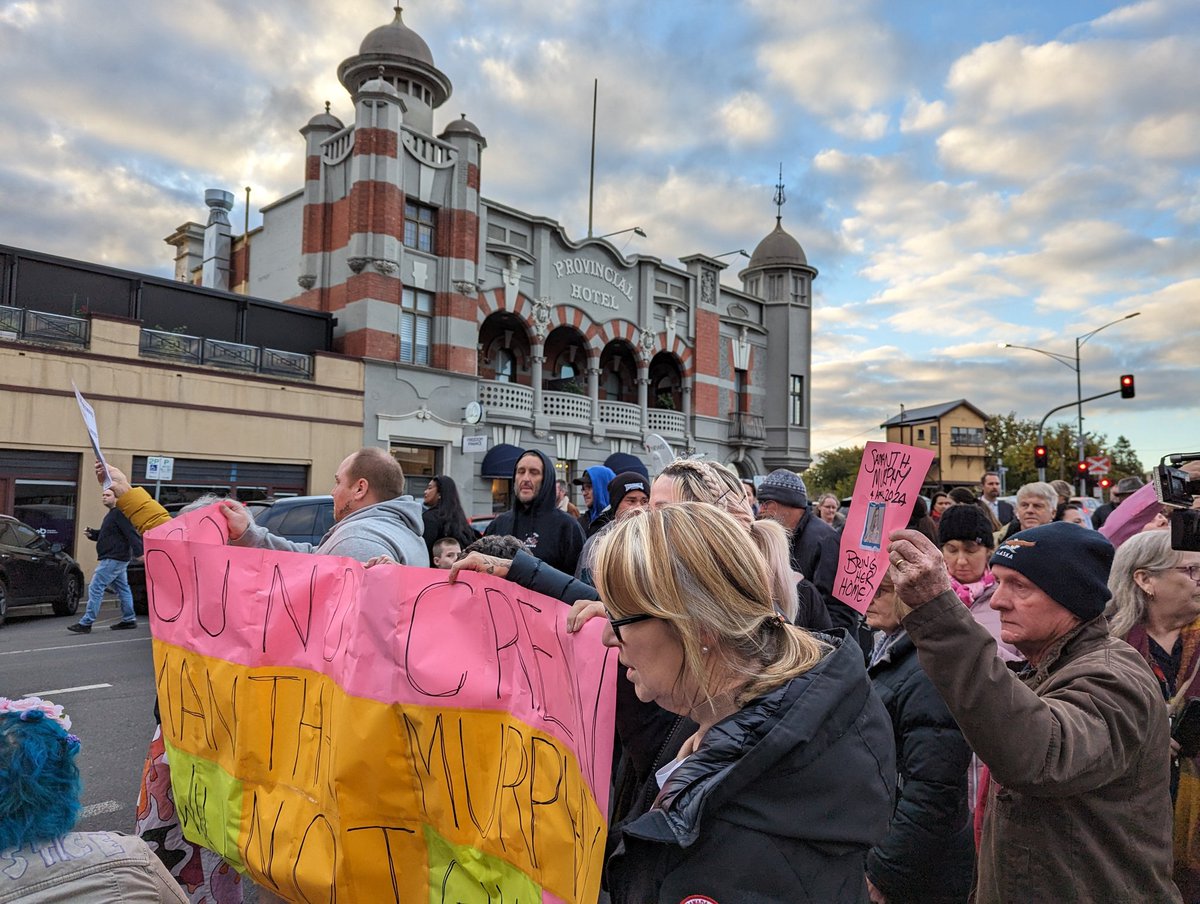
889,482
393,634
1133,514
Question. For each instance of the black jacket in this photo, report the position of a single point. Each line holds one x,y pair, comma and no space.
117,539
436,528
552,535
929,852
779,805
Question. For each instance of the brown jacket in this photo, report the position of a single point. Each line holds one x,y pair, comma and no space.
1079,806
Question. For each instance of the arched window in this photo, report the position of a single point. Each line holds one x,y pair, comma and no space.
566,370
505,365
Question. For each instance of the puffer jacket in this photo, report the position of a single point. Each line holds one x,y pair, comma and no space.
391,528
929,852
778,805
1079,807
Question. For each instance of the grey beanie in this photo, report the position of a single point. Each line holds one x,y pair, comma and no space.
785,487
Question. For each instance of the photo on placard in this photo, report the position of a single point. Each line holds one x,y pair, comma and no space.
872,536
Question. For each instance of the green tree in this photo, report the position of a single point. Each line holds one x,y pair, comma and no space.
1125,462
834,472
1011,440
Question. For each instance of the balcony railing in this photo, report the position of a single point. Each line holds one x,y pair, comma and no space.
40,327
748,427
511,399
225,355
567,407
621,415
665,421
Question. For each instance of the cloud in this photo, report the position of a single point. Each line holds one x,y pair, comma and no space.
746,118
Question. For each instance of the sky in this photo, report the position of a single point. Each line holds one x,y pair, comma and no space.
960,174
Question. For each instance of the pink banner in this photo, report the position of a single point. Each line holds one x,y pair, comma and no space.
889,482
393,634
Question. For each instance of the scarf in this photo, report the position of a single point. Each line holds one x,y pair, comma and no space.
968,593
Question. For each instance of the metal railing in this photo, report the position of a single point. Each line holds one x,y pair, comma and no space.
41,327
226,355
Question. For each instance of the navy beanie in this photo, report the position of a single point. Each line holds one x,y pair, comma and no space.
967,523
1069,564
785,487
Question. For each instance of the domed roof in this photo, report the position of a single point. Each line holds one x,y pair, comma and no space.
463,126
778,249
325,121
397,39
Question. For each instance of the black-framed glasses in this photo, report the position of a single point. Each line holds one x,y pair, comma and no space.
618,623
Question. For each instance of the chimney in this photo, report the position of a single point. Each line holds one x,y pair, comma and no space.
217,239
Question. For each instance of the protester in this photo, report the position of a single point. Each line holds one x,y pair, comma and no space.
928,855
938,503
1036,504
1155,608
965,538
372,516
786,780
445,552
828,509
989,485
502,546
444,515
116,543
594,484
202,874
41,859
1071,513
1124,488
1078,806
548,533
751,494
783,498
628,492
1063,490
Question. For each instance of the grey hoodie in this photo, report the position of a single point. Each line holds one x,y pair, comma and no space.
391,528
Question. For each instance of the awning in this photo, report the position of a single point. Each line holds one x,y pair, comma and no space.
500,461
623,461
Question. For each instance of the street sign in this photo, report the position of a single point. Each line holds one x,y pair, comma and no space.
1099,464
474,443
159,467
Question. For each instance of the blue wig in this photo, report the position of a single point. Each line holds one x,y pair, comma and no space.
39,781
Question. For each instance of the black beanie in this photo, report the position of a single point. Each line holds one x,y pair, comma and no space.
965,522
623,483
1068,563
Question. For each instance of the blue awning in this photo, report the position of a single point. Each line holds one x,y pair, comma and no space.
500,461
623,461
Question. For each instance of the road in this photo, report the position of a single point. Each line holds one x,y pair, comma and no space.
105,681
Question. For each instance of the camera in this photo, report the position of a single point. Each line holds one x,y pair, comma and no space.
1178,489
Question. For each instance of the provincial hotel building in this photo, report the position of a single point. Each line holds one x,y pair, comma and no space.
484,329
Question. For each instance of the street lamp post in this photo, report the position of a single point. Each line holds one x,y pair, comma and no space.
1074,364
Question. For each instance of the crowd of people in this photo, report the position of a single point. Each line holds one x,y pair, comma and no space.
997,726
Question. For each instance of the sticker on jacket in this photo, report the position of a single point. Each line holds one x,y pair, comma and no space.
697,899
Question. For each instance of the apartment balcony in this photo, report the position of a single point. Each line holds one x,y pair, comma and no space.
747,429
506,403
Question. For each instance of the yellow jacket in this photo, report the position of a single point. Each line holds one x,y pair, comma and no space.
142,510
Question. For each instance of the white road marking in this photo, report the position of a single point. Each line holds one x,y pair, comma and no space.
108,806
67,690
75,646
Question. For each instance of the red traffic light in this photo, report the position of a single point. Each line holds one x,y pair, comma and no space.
1105,483
1039,457
1082,467
1128,390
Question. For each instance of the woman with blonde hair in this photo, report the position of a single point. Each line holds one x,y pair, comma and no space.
786,780
1155,608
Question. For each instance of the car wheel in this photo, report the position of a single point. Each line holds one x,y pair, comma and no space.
69,604
3,602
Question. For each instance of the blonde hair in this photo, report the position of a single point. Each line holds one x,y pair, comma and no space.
698,480
694,567
1142,552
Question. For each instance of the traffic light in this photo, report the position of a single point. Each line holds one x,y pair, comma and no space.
1128,390
1040,457
1082,468
1105,483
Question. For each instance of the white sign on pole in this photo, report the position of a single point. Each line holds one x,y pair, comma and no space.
159,467
474,443
1099,465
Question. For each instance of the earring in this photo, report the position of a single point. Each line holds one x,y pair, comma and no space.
704,649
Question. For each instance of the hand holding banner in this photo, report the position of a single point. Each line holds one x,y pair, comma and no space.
889,482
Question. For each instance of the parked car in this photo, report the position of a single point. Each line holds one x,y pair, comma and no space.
34,570
301,519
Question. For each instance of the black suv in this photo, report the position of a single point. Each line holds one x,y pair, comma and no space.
301,519
33,570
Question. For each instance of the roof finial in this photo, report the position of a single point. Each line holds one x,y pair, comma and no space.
780,198
326,106
399,9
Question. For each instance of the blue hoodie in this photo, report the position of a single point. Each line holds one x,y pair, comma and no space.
600,477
